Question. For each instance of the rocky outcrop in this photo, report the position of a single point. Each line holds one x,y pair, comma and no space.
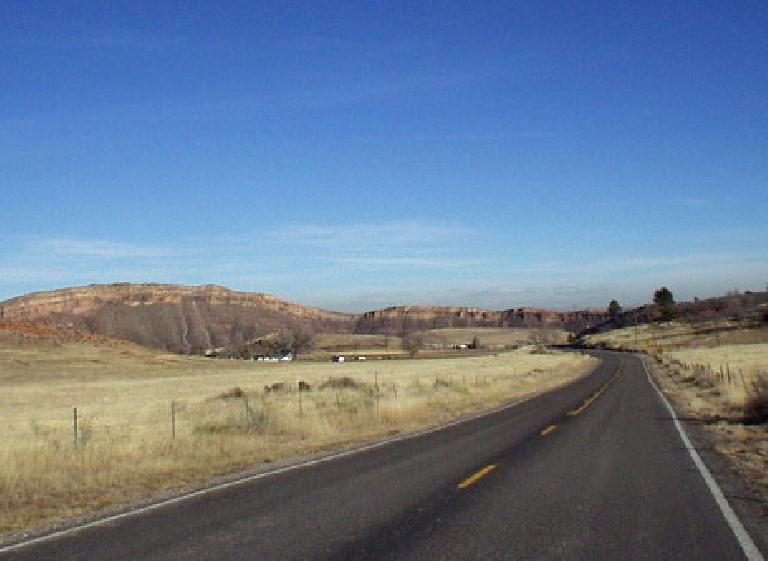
398,320
177,318
576,320
191,319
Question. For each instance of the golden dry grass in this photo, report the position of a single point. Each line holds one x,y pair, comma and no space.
491,336
722,379
680,335
739,358
124,446
715,384
355,342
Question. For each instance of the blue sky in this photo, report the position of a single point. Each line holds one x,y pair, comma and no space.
362,154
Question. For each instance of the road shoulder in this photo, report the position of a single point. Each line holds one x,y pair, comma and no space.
747,498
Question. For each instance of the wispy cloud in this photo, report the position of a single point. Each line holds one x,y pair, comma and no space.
404,262
99,249
645,263
387,245
351,236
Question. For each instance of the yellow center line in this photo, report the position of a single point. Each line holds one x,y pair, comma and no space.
597,394
549,429
475,477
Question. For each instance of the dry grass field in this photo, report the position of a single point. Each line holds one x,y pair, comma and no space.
440,340
354,342
329,344
437,342
124,448
718,381
493,337
681,335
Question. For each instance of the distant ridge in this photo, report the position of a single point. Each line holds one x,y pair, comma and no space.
190,319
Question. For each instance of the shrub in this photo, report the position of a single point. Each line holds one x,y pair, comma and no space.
756,402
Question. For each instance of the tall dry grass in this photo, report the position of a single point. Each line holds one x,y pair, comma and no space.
679,335
733,376
224,420
726,388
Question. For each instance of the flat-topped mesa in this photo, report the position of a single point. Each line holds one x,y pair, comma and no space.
432,311
575,320
401,319
178,318
82,300
398,320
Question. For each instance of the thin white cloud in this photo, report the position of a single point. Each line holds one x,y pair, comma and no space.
410,244
404,262
645,263
353,236
100,249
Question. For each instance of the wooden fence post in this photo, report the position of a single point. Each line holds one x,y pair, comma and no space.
74,425
173,420
301,406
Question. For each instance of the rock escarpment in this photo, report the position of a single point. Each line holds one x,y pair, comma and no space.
191,319
176,318
398,320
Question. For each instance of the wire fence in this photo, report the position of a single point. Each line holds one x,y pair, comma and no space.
720,373
276,410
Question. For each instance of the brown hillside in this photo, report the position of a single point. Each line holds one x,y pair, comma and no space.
177,318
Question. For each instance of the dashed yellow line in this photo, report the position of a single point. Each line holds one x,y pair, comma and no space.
548,430
600,391
477,476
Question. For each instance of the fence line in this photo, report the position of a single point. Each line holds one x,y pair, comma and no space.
263,415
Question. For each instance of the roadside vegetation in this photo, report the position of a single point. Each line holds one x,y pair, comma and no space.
150,421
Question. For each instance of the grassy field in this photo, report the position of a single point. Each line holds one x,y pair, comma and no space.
354,342
436,341
681,335
329,344
740,359
494,337
224,419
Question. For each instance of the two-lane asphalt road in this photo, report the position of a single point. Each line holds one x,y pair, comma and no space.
596,470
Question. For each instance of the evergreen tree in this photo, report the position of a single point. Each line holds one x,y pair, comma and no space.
665,301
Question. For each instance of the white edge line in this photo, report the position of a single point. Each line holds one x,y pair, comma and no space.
747,545
255,477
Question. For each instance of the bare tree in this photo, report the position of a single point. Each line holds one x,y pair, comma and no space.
284,340
303,340
413,343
